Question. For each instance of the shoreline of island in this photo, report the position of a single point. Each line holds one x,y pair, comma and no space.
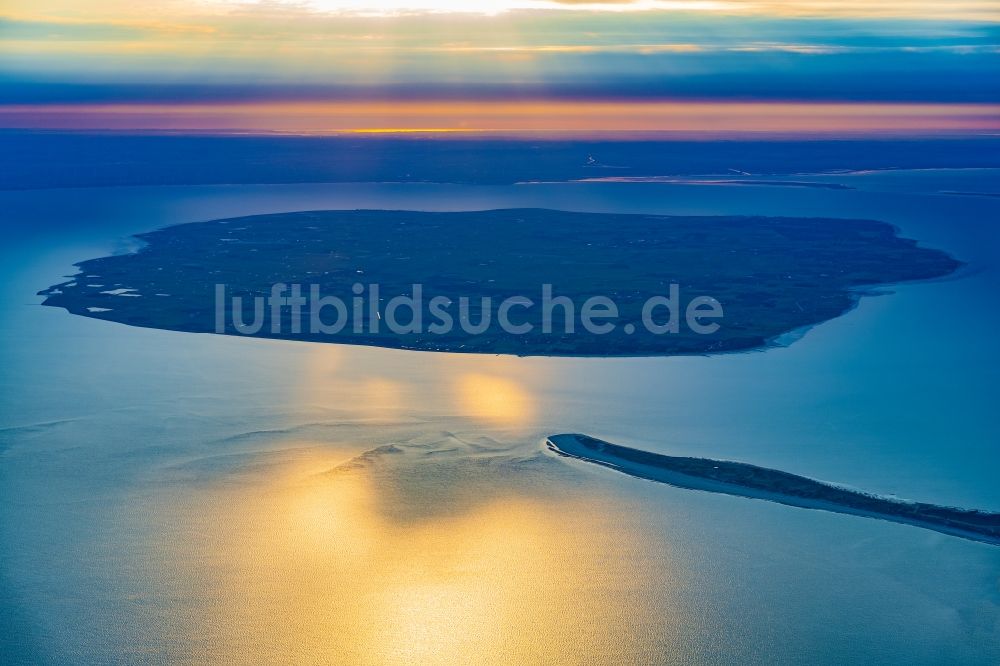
753,482
771,276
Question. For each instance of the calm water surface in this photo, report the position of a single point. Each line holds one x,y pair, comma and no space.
177,498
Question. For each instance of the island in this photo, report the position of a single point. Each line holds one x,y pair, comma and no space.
744,480
768,275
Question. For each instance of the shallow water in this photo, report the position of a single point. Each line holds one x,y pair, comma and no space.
167,497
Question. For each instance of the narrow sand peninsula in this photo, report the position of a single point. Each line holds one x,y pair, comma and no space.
741,479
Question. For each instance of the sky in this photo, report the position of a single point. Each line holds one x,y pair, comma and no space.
501,65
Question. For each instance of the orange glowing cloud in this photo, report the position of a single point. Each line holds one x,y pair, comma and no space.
556,117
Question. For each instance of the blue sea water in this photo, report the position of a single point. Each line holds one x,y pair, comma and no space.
177,498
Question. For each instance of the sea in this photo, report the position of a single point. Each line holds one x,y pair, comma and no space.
176,498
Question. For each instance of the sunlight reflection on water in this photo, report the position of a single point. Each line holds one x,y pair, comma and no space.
318,560
171,498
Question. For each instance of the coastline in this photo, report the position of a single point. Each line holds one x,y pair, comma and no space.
780,274
745,480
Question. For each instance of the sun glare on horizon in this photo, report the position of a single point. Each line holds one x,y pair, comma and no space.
966,9
493,7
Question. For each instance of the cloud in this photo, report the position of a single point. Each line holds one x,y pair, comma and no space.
269,49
